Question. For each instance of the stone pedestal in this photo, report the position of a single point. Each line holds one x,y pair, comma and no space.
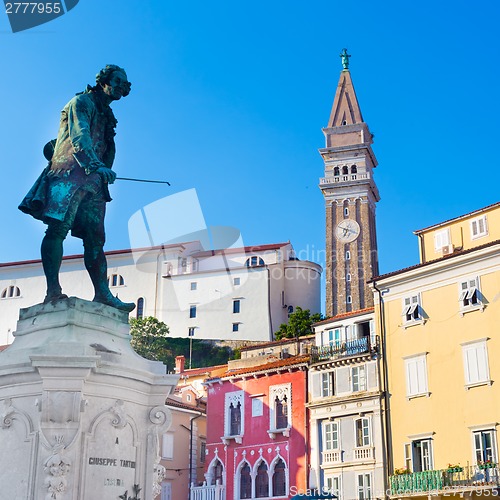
80,412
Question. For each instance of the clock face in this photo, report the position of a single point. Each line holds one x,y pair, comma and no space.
347,230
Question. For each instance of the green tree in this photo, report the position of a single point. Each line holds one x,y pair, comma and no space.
150,339
299,324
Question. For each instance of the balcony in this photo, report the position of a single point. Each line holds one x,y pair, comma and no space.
205,492
343,178
339,350
331,457
365,453
443,481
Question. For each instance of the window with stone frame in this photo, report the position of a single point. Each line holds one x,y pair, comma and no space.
280,397
217,473
327,384
262,481
362,427
279,479
234,414
364,486
245,481
358,378
331,435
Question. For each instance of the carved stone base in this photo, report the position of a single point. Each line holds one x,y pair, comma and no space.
80,412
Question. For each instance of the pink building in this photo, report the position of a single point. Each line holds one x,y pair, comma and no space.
256,430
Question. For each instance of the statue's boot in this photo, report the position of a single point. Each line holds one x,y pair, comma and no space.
52,252
95,262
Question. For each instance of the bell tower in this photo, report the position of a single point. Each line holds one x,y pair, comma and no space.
350,198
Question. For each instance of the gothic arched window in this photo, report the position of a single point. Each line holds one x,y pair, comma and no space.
140,308
345,170
262,481
336,171
279,479
245,482
217,473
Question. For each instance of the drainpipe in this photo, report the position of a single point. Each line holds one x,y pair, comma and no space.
384,385
191,472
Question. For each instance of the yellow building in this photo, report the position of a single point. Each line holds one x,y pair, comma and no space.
440,325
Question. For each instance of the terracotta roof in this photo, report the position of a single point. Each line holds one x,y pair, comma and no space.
429,262
488,207
249,249
272,366
274,342
194,372
350,314
185,406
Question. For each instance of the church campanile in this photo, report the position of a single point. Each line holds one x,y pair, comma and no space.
350,198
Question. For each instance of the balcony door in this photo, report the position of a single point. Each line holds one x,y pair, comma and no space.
422,455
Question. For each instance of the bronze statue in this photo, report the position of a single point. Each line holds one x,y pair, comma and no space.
72,191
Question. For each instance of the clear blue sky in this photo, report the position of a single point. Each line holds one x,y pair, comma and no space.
230,98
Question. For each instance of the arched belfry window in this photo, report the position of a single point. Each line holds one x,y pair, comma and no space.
254,261
245,481
262,481
336,171
354,169
11,292
279,479
345,170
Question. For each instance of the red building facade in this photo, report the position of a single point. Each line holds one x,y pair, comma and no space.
257,431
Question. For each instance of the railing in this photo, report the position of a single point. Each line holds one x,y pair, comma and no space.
342,178
330,457
363,453
444,480
205,492
341,349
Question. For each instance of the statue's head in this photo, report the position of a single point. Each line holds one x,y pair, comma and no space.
113,81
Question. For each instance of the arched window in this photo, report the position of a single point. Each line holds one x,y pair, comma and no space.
336,171
345,170
235,419
254,261
279,479
140,308
116,280
354,169
281,409
10,292
245,482
216,475
262,481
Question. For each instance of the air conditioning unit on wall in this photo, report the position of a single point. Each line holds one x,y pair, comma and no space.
448,249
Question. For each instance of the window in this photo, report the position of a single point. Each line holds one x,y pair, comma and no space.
336,171
362,426
358,378
327,384
236,327
334,337
188,398
262,481
331,436
140,308
412,309
346,212
478,227
279,479
469,293
166,491
203,451
332,484
10,292
408,459
234,415
192,311
416,376
191,331
168,446
254,261
476,369
280,407
345,170
257,407
215,473
349,299
484,446
194,285
236,306
245,481
354,169
236,281
348,277
116,280
422,455
347,255
364,486
441,239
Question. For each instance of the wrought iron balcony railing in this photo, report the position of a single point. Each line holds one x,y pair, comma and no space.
444,480
341,349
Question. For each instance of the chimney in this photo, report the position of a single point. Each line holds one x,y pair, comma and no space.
179,364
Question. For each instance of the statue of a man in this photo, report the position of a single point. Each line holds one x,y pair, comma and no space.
72,192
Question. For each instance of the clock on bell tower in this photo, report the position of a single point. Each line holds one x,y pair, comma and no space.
350,198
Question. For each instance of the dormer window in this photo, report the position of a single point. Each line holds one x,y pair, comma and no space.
254,261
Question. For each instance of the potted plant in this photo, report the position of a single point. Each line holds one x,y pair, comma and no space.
487,464
454,468
401,471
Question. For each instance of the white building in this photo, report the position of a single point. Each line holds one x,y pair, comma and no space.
231,294
346,409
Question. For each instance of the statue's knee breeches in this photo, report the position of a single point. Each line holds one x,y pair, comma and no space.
57,230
